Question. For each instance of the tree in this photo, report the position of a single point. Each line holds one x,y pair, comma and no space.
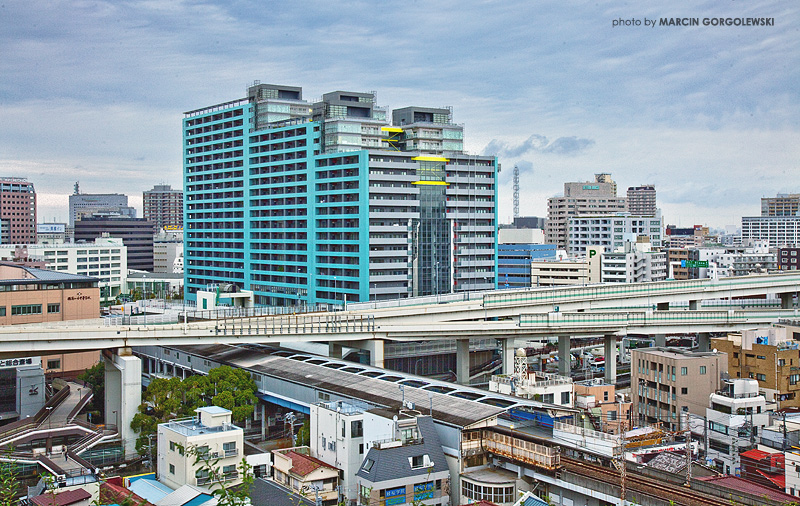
166,399
217,479
95,377
8,483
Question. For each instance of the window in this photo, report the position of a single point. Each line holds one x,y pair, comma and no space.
702,369
26,309
684,371
54,364
172,446
605,395
171,469
548,398
564,398
53,308
360,448
356,428
229,448
368,465
2,310
684,391
761,377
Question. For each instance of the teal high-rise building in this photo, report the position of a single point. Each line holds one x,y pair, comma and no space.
331,201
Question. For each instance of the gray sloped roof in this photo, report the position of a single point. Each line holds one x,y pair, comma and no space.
393,463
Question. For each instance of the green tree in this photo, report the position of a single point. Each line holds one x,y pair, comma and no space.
217,479
8,483
95,377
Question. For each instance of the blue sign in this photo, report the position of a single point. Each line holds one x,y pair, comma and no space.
422,487
396,500
396,491
423,496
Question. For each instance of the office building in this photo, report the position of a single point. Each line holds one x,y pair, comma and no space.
582,198
516,249
104,259
168,252
163,206
330,201
136,235
777,231
769,356
529,222
52,233
612,231
86,204
784,204
667,383
641,200
583,270
210,433
17,211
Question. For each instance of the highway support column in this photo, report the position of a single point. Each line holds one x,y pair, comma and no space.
123,384
462,361
787,300
564,357
610,345
508,355
703,341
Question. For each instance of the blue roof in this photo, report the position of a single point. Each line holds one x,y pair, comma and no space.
150,490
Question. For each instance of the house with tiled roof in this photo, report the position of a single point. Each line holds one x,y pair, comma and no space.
310,477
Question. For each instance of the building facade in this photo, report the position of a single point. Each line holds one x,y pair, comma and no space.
633,263
667,383
86,204
777,231
641,200
612,231
163,206
788,259
582,198
327,202
517,248
784,204
136,235
17,211
337,438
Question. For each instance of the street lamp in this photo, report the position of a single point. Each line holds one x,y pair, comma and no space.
49,420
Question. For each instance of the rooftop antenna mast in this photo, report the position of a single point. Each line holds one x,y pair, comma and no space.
516,191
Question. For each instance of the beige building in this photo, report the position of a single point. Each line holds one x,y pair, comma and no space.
769,356
666,382
602,400
569,271
211,433
296,469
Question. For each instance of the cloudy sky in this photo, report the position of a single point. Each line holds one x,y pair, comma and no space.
94,91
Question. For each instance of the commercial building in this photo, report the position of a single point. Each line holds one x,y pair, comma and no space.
163,206
516,249
735,417
612,231
86,204
769,356
784,204
666,383
641,200
327,202
136,235
582,198
104,258
568,271
778,231
168,252
210,434
17,211
405,461
52,233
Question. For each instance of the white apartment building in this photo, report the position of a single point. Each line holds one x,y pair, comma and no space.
736,416
211,432
106,258
792,472
633,263
337,438
778,231
612,230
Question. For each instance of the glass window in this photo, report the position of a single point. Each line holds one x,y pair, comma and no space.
684,371
702,369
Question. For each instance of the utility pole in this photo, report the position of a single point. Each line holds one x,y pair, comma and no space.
688,433
619,462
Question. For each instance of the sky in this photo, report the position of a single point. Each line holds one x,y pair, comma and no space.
95,91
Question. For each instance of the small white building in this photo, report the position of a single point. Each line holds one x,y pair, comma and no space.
337,438
210,432
634,262
546,387
792,472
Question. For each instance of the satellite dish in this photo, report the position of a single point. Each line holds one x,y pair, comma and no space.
714,350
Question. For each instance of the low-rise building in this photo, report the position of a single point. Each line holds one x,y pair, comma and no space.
769,356
633,263
305,475
667,382
601,399
210,434
337,438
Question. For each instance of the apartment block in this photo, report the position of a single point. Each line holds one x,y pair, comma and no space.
163,206
581,198
788,259
17,211
641,200
784,204
330,201
777,231
612,231
668,382
633,263
601,399
210,434
770,356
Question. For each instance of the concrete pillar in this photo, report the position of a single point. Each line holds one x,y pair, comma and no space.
694,305
660,339
334,349
787,300
508,355
462,361
610,344
263,421
564,355
703,341
375,348
123,385
662,306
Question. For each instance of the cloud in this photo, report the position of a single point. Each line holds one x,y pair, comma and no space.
566,146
